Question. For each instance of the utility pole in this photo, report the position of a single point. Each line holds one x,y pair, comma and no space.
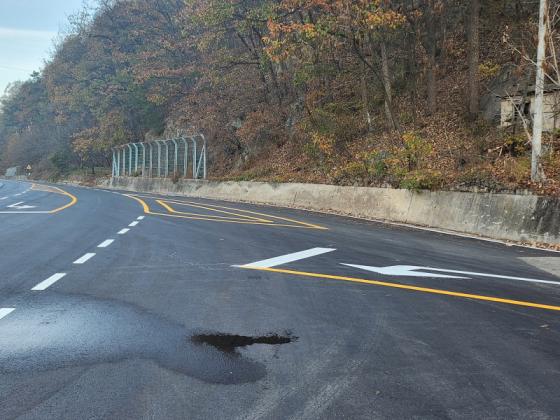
536,173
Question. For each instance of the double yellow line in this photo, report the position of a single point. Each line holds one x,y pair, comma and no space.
238,216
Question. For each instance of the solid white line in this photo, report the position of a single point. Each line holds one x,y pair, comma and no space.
84,258
16,204
140,218
3,198
6,311
49,282
123,231
133,224
106,243
283,259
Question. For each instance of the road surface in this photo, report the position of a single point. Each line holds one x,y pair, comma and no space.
121,305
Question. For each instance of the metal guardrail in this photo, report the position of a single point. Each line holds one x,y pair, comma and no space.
152,159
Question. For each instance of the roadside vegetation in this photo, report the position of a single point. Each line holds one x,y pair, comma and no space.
401,93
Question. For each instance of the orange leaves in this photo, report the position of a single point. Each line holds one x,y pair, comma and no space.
388,19
326,23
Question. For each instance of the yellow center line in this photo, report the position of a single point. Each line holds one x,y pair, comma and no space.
176,214
408,287
239,216
73,200
262,214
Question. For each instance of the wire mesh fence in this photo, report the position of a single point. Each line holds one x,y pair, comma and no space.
183,156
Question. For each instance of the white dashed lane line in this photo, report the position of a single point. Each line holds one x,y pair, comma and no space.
6,311
45,284
84,258
106,243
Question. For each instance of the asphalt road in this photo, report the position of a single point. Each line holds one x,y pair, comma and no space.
201,309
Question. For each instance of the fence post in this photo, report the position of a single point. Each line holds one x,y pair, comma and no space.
204,171
186,157
166,172
194,157
129,159
176,156
151,158
158,158
135,157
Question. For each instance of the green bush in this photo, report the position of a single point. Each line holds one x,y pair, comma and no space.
422,180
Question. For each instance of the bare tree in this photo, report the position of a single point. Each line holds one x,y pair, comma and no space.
473,57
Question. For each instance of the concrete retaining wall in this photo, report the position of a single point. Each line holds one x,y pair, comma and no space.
522,218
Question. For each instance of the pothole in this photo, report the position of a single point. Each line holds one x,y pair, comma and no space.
229,343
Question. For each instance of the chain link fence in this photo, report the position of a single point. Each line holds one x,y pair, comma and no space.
179,157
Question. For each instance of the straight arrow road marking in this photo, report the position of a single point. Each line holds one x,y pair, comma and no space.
284,259
410,271
45,284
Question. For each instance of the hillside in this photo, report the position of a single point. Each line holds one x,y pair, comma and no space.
399,93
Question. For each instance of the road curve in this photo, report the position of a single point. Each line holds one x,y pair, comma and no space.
129,305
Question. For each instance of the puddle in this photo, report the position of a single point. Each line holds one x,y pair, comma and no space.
61,331
228,343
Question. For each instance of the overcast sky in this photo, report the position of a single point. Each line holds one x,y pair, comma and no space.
27,29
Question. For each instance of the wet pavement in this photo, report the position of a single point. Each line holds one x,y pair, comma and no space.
163,320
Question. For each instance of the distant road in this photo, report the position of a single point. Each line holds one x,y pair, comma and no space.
120,305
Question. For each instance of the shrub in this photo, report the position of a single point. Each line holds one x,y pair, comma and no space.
422,180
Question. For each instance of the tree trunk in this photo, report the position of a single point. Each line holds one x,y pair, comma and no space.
474,53
386,77
431,73
365,102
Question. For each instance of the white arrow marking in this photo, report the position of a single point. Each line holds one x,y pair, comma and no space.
283,259
409,270
402,270
6,311
19,207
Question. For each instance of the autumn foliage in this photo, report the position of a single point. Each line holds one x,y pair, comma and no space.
340,91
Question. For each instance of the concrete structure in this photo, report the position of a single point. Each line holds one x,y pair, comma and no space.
519,106
523,218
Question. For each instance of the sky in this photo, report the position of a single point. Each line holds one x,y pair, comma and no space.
27,30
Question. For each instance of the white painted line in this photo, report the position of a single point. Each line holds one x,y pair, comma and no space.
123,231
106,243
3,198
6,311
49,282
283,259
17,195
84,258
16,204
140,218
494,276
133,224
